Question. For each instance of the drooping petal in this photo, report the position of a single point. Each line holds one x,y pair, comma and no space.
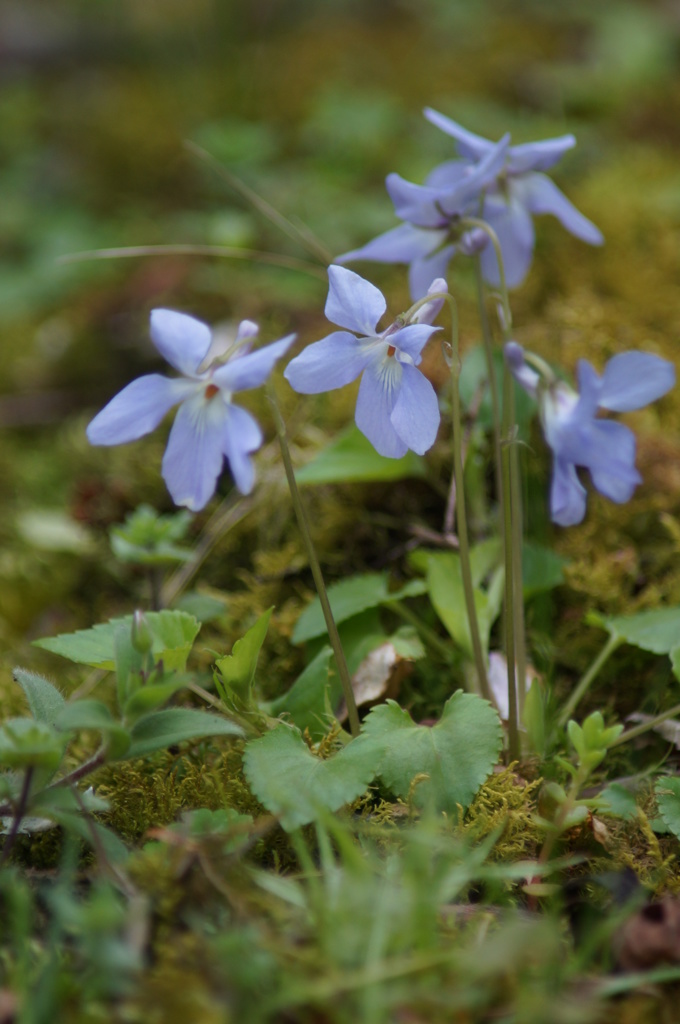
479,177
328,364
412,339
194,457
181,339
253,368
567,495
538,156
422,270
242,435
521,371
632,380
399,245
138,409
377,396
589,391
539,194
471,146
515,232
611,460
352,302
415,415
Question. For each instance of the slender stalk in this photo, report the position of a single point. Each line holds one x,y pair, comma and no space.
517,527
587,678
228,514
461,514
19,812
508,557
91,765
224,251
644,727
314,565
493,382
506,319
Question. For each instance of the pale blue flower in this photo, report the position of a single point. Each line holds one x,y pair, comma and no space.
397,407
503,184
208,428
577,437
519,191
430,235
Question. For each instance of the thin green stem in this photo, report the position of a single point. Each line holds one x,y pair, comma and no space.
487,341
461,515
587,678
429,636
644,727
314,565
181,249
509,560
506,319
517,527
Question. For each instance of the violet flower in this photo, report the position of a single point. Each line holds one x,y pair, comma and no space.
577,437
397,407
208,428
431,235
519,191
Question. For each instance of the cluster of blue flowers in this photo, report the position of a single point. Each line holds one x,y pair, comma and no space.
497,184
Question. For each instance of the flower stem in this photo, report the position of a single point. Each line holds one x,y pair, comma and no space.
19,811
509,560
644,727
587,678
461,515
314,565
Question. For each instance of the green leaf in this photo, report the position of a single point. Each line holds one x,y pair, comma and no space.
173,635
352,458
164,728
92,714
667,791
445,587
292,782
237,670
311,695
657,631
348,598
43,698
150,696
618,801
542,569
457,753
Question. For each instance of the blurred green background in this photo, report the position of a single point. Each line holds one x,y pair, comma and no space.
311,105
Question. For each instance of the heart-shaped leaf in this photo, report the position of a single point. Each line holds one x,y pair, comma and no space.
294,783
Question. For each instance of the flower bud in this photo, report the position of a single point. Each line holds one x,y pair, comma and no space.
142,638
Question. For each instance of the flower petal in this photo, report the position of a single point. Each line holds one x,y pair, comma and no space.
416,416
352,302
253,368
377,396
417,204
242,435
399,245
181,339
632,380
423,269
539,194
538,156
330,363
194,457
515,232
567,495
448,174
412,339
611,460
138,409
471,146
